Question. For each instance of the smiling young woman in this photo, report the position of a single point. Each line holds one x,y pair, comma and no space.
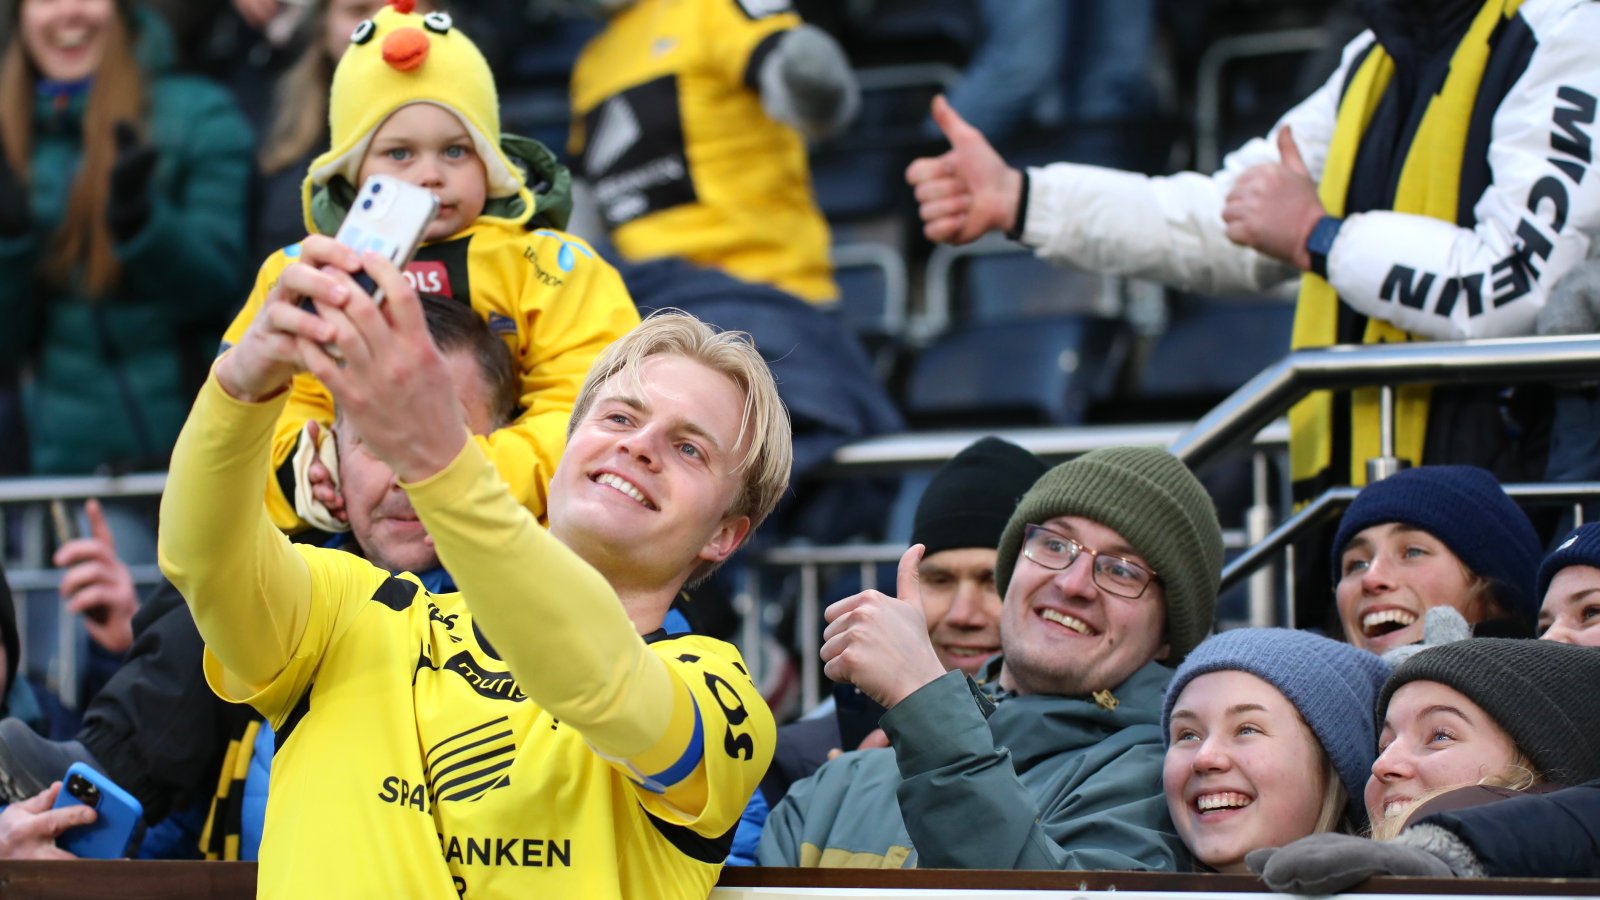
1496,711
1248,717
1433,536
123,195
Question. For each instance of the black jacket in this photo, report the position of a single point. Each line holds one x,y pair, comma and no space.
1553,835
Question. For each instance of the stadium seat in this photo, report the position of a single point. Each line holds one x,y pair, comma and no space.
1041,371
1212,346
872,290
995,280
1001,286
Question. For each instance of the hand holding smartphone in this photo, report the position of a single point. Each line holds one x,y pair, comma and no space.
119,818
388,217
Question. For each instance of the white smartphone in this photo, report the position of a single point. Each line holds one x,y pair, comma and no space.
388,217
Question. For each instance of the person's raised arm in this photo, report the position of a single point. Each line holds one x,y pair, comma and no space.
969,190
307,401
248,589
535,598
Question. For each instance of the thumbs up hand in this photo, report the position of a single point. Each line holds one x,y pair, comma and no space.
967,191
880,643
1274,206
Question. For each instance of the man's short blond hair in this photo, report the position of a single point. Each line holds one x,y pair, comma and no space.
769,454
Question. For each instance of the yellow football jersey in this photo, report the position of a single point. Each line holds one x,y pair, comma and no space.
669,130
552,298
410,764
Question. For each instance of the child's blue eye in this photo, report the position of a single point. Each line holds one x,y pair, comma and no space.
398,154
456,152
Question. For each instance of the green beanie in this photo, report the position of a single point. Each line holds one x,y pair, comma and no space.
1150,497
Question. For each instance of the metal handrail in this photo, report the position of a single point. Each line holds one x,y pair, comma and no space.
1273,390
1334,500
36,489
925,449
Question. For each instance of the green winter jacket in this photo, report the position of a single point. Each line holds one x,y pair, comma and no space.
113,376
1046,783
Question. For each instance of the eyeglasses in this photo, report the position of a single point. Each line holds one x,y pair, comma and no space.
1112,574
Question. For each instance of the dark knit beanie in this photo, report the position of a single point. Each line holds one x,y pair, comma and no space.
1150,497
1464,507
1540,692
971,497
1581,548
1331,683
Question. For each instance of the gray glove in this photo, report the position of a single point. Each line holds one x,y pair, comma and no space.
1440,625
806,82
1574,304
1329,863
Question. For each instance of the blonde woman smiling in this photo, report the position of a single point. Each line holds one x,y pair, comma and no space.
1496,711
1269,739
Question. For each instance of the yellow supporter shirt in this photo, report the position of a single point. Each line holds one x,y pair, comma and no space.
669,130
569,758
552,298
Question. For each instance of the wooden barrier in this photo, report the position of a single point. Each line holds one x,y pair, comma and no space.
123,880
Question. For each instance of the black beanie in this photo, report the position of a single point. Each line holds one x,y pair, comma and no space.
1540,692
971,497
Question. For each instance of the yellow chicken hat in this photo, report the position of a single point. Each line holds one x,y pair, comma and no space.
397,58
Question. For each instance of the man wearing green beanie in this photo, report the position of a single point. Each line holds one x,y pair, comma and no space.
1109,569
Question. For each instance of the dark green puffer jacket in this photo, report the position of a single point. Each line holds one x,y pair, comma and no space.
109,386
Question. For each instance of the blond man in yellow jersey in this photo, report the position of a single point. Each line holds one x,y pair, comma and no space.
534,734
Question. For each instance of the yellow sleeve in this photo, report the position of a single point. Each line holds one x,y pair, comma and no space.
338,582
733,29
247,587
718,745
567,327
537,602
308,399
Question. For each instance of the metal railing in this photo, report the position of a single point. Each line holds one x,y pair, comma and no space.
1334,500
1251,415
1269,395
904,452
33,579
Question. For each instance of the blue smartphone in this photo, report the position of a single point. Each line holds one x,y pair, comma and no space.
119,826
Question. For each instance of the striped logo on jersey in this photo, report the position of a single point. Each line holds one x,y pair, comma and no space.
464,766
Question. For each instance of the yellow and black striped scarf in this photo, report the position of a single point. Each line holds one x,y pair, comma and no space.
1430,182
220,838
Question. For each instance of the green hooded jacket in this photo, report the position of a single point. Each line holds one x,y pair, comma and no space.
113,375
1046,782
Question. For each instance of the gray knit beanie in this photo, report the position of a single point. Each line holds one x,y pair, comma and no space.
1540,692
1150,497
1331,683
